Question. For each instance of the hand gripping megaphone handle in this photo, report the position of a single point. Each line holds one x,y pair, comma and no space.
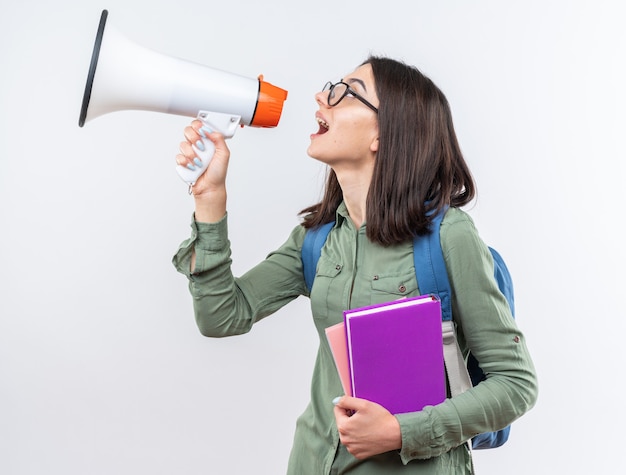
226,124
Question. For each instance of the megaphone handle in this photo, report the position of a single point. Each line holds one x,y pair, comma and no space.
226,124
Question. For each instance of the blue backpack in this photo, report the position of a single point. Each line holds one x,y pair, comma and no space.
432,278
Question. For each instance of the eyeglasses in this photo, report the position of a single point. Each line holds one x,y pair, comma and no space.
339,90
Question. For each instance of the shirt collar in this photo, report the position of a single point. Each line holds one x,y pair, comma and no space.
342,215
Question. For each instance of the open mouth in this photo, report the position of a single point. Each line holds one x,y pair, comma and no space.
323,126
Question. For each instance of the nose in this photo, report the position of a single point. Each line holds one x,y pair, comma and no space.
320,99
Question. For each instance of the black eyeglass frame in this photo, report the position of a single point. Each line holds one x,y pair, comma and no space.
330,87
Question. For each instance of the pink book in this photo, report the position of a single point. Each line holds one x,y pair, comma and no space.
336,336
395,353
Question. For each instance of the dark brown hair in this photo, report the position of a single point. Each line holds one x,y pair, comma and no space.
419,167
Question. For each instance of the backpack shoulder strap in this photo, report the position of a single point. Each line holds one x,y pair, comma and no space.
432,275
432,278
314,240
430,268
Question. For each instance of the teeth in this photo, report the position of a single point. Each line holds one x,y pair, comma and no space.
322,122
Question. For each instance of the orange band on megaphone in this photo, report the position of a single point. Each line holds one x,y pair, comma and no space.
269,105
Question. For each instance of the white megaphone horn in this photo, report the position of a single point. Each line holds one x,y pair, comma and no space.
126,76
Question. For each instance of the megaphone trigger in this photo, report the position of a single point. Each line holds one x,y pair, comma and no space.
226,124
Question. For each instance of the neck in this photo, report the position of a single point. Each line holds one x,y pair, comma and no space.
355,187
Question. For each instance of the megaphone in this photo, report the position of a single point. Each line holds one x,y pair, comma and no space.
126,76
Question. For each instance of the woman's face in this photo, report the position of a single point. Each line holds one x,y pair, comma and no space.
348,131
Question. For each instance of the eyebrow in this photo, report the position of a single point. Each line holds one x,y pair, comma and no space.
353,80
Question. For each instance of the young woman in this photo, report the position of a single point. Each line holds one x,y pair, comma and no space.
386,133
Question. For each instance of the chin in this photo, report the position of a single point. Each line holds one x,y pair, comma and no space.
310,151
320,152
315,156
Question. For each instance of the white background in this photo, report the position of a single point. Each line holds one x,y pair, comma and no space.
102,369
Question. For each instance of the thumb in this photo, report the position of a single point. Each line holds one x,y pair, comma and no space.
349,403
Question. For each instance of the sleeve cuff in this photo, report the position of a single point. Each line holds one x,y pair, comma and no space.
205,239
421,438
210,236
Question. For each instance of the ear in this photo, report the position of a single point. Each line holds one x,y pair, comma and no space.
374,145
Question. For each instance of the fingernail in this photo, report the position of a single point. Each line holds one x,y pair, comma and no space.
191,167
204,130
200,145
336,400
197,161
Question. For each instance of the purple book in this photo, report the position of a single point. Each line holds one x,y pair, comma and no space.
395,352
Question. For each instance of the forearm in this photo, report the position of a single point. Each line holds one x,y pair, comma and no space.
220,307
225,305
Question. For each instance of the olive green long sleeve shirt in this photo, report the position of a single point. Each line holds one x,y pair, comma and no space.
354,272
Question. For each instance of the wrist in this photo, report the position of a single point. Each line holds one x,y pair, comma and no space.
210,206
